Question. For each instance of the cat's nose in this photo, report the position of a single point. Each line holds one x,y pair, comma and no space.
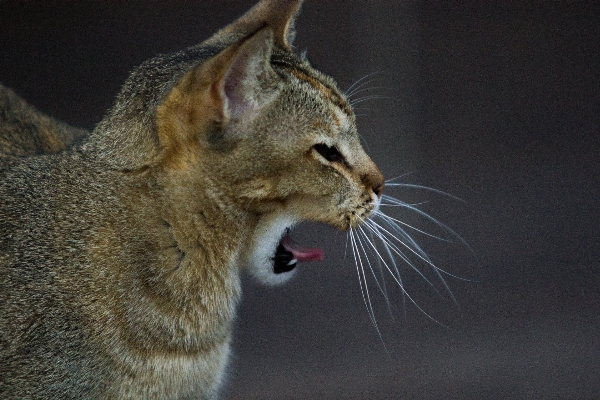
378,189
374,180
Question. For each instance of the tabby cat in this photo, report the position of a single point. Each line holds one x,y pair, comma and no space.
121,249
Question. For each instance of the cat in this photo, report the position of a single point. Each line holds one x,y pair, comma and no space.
24,131
121,249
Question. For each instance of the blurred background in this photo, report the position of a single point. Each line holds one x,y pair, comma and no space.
497,104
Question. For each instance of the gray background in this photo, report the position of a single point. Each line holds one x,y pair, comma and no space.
498,104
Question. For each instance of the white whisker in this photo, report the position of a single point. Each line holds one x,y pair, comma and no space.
414,243
399,252
381,273
415,249
398,177
411,242
382,259
385,242
362,138
370,308
405,293
346,247
383,292
353,88
430,218
384,216
396,269
361,88
436,269
430,189
366,98
362,279
404,204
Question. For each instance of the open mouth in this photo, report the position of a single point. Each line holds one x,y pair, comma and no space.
289,253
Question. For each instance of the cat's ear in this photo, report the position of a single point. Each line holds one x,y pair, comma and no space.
232,86
244,86
279,15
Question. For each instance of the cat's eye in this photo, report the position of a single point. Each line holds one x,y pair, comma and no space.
330,153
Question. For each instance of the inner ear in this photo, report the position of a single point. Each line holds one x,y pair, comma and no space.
243,87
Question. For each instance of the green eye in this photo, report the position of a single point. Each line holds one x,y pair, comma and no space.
330,153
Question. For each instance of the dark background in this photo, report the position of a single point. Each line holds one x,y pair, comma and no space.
498,104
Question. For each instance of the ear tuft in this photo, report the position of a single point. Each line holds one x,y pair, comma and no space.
279,15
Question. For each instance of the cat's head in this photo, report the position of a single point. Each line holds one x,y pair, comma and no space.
274,137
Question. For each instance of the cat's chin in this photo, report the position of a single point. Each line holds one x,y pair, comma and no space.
273,255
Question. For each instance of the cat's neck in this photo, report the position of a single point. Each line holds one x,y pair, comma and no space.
185,289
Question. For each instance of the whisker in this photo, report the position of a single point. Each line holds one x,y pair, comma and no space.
405,293
364,141
398,177
396,269
366,98
359,88
346,247
382,259
416,249
399,230
385,216
384,242
362,279
399,252
438,271
383,292
380,231
354,87
354,249
410,185
404,204
392,222
362,89
381,273
430,218
372,312
350,89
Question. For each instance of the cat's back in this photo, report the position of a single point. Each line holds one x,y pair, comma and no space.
59,320
25,131
45,221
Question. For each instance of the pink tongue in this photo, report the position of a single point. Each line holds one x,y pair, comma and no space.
300,253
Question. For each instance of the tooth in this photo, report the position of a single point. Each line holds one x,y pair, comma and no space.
292,262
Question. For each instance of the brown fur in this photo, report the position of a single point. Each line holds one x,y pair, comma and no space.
120,255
